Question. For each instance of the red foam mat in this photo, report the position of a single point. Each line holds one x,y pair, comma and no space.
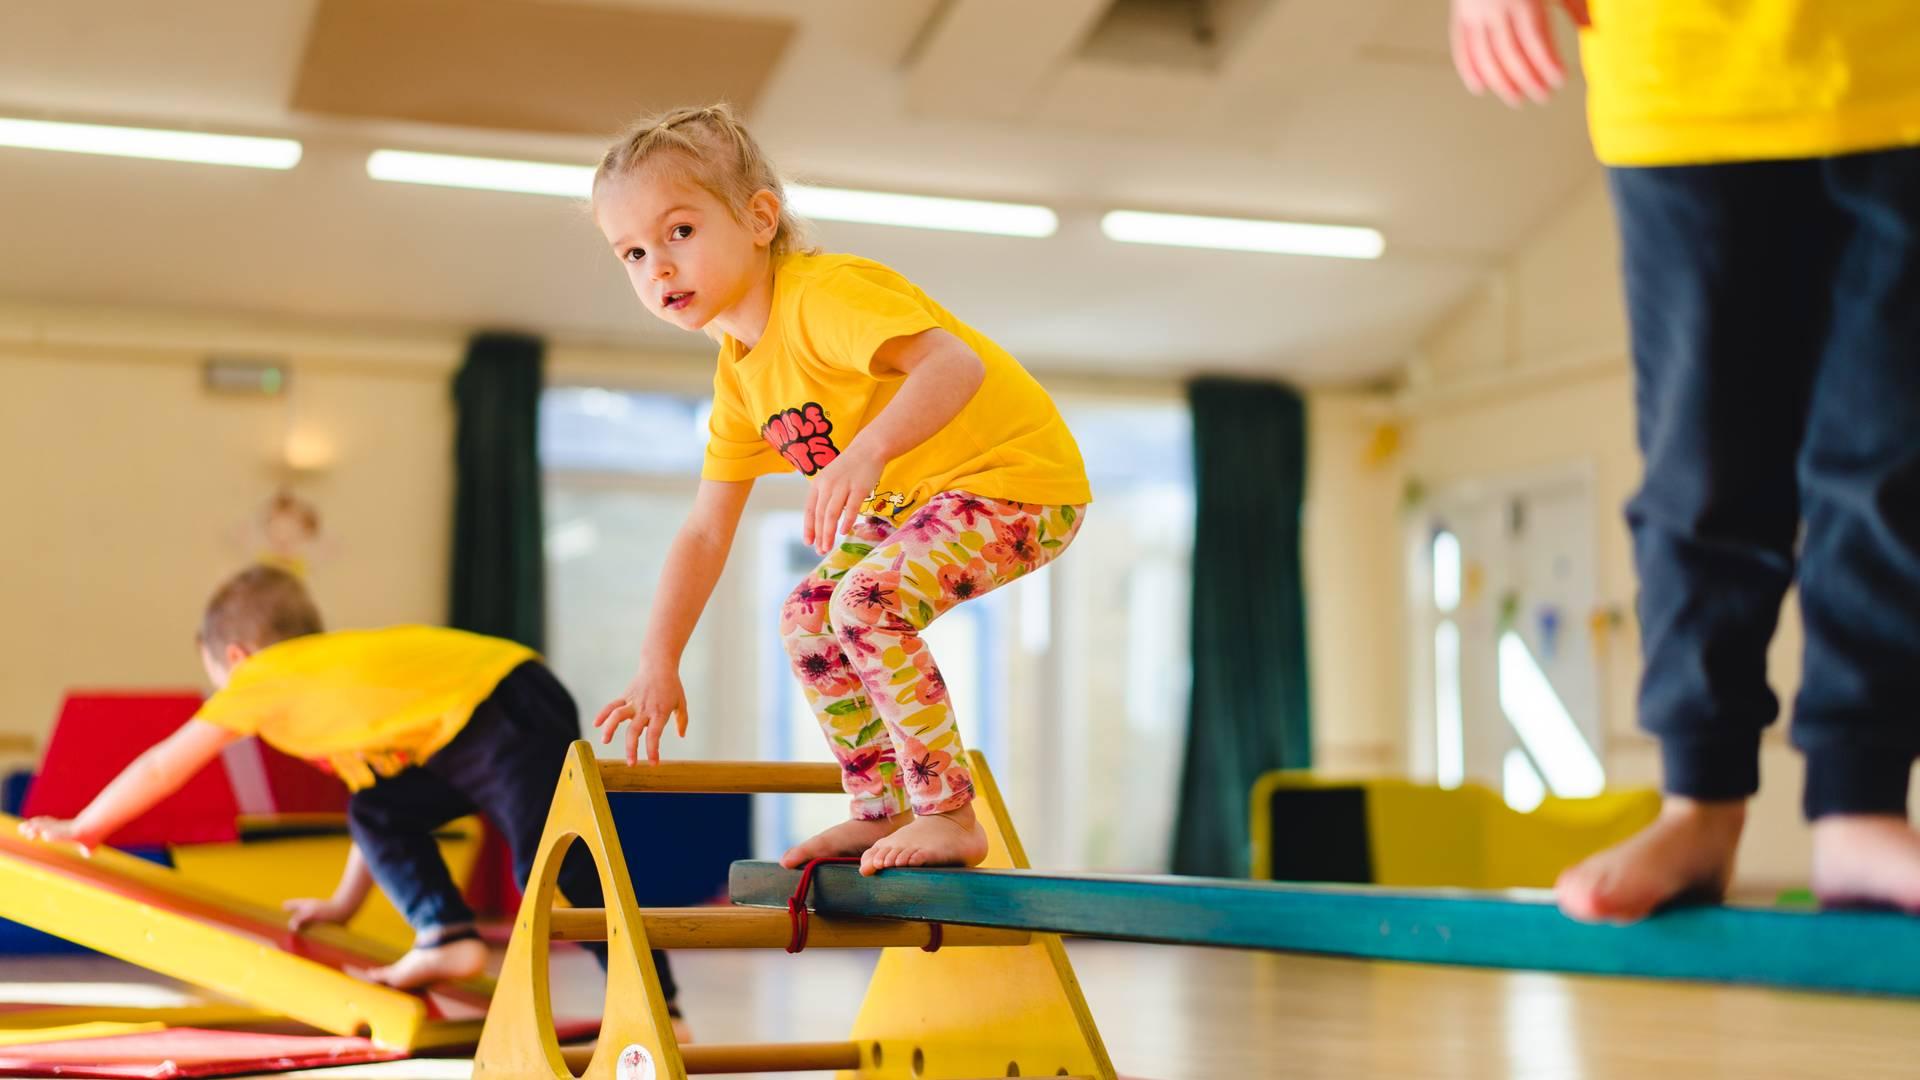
187,1052
97,735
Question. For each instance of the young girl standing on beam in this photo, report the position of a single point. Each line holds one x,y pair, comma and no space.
938,470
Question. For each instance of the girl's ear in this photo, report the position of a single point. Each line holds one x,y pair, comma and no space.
763,216
235,654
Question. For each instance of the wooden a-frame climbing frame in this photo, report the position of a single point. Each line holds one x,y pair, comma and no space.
983,1003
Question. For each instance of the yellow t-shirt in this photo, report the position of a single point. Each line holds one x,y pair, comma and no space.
1694,82
364,703
797,398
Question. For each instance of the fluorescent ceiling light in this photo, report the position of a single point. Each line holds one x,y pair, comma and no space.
159,145
923,211
825,204
1243,234
483,174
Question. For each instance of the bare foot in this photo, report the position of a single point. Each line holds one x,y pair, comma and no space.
422,966
1867,858
1687,852
846,838
955,838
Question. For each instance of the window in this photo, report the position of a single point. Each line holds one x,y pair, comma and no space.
1450,748
1507,692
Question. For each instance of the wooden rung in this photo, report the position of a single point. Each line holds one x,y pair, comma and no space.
746,1057
762,928
724,777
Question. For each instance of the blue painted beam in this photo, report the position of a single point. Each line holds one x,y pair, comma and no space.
1846,951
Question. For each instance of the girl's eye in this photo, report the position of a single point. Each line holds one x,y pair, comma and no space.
681,232
635,254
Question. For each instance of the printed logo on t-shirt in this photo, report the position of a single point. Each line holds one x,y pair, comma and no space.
804,436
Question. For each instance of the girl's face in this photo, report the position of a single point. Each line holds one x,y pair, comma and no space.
689,259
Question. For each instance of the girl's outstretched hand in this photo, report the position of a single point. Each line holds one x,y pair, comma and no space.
835,495
652,698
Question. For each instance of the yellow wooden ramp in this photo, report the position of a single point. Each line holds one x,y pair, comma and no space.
153,917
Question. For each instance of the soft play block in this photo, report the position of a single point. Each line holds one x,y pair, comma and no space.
266,869
1387,831
99,734
680,847
187,1052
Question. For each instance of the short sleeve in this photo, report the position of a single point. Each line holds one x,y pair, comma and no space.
243,707
846,314
735,450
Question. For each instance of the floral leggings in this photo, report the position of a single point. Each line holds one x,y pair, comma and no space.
852,631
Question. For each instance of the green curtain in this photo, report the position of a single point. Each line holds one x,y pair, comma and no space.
499,566
1249,701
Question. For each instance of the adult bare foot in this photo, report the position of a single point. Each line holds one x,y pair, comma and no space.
846,838
425,965
1867,859
1687,852
955,838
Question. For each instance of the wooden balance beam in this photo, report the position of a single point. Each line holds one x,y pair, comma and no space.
1843,951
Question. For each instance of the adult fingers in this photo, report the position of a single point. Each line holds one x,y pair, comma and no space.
1536,42
1488,65
1506,49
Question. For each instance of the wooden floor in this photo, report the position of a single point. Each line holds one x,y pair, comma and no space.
1172,1013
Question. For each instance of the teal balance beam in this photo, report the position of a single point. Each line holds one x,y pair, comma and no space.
1864,952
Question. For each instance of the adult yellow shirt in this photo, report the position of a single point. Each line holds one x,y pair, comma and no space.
1694,82
798,397
364,703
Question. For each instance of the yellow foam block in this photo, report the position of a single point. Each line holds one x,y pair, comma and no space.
1423,835
270,871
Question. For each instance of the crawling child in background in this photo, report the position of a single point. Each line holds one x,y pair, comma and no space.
424,724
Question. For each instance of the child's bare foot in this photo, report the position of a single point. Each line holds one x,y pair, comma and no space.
846,838
955,838
1687,851
1866,858
425,965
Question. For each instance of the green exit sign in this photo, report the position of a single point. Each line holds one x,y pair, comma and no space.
233,375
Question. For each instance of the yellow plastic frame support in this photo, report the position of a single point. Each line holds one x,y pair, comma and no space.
975,1012
991,1006
518,1042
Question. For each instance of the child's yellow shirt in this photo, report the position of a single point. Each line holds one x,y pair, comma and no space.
364,703
799,396
1695,82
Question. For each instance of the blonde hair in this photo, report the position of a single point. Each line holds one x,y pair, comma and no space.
711,148
258,607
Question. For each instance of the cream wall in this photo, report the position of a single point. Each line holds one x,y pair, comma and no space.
129,487
1356,612
1532,372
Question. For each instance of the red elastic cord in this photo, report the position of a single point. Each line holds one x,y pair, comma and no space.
797,903
800,917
